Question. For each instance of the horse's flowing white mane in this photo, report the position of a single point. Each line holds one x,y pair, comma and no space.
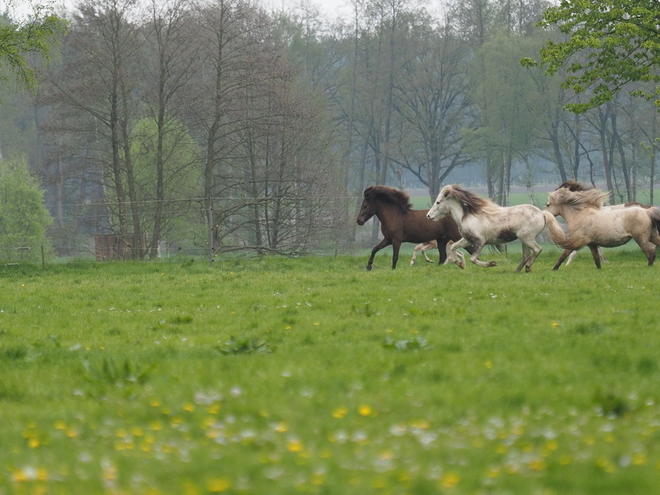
472,204
578,200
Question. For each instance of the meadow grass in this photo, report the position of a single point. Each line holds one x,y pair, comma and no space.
311,375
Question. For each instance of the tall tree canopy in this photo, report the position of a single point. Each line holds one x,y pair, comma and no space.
610,43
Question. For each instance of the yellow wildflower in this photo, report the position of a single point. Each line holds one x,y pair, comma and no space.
339,413
449,480
219,485
365,410
294,445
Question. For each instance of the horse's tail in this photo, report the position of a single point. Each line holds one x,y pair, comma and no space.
654,214
557,234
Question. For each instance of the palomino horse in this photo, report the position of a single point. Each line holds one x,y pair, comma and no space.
589,224
400,223
573,185
483,222
423,247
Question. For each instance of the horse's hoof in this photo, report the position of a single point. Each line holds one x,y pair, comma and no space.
368,268
492,263
429,261
528,269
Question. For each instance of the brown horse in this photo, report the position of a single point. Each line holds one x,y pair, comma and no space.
400,223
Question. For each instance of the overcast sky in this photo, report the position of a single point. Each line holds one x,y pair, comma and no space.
329,8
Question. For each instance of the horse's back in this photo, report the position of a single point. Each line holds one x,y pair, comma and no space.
614,227
418,228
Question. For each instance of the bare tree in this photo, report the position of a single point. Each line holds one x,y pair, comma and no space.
92,94
433,98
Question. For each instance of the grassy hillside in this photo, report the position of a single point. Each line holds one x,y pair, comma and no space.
279,376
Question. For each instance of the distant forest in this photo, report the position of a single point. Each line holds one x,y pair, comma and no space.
184,123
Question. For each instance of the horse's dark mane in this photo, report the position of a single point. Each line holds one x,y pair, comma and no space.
390,195
573,186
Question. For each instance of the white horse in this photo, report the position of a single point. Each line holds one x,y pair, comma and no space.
589,224
482,222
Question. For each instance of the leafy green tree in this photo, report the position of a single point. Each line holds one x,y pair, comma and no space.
23,216
19,40
610,43
164,174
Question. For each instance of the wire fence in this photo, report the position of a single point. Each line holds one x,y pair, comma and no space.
203,229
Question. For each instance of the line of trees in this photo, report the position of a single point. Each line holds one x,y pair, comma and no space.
161,113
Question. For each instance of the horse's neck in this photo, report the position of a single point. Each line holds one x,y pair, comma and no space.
384,212
456,212
571,217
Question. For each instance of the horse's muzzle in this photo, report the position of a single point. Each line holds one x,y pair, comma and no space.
360,222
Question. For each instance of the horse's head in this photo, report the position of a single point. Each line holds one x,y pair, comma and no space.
367,210
441,207
552,206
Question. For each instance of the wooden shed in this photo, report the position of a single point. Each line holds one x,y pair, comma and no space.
120,247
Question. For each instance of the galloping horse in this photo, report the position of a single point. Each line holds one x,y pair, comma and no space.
589,224
483,222
574,186
400,223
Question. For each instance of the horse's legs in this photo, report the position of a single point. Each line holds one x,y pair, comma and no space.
474,257
536,249
476,250
601,255
648,246
571,257
531,250
378,247
396,245
561,259
448,254
456,255
655,236
426,247
525,256
414,256
477,246
595,254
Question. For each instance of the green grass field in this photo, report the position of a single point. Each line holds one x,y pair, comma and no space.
311,375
